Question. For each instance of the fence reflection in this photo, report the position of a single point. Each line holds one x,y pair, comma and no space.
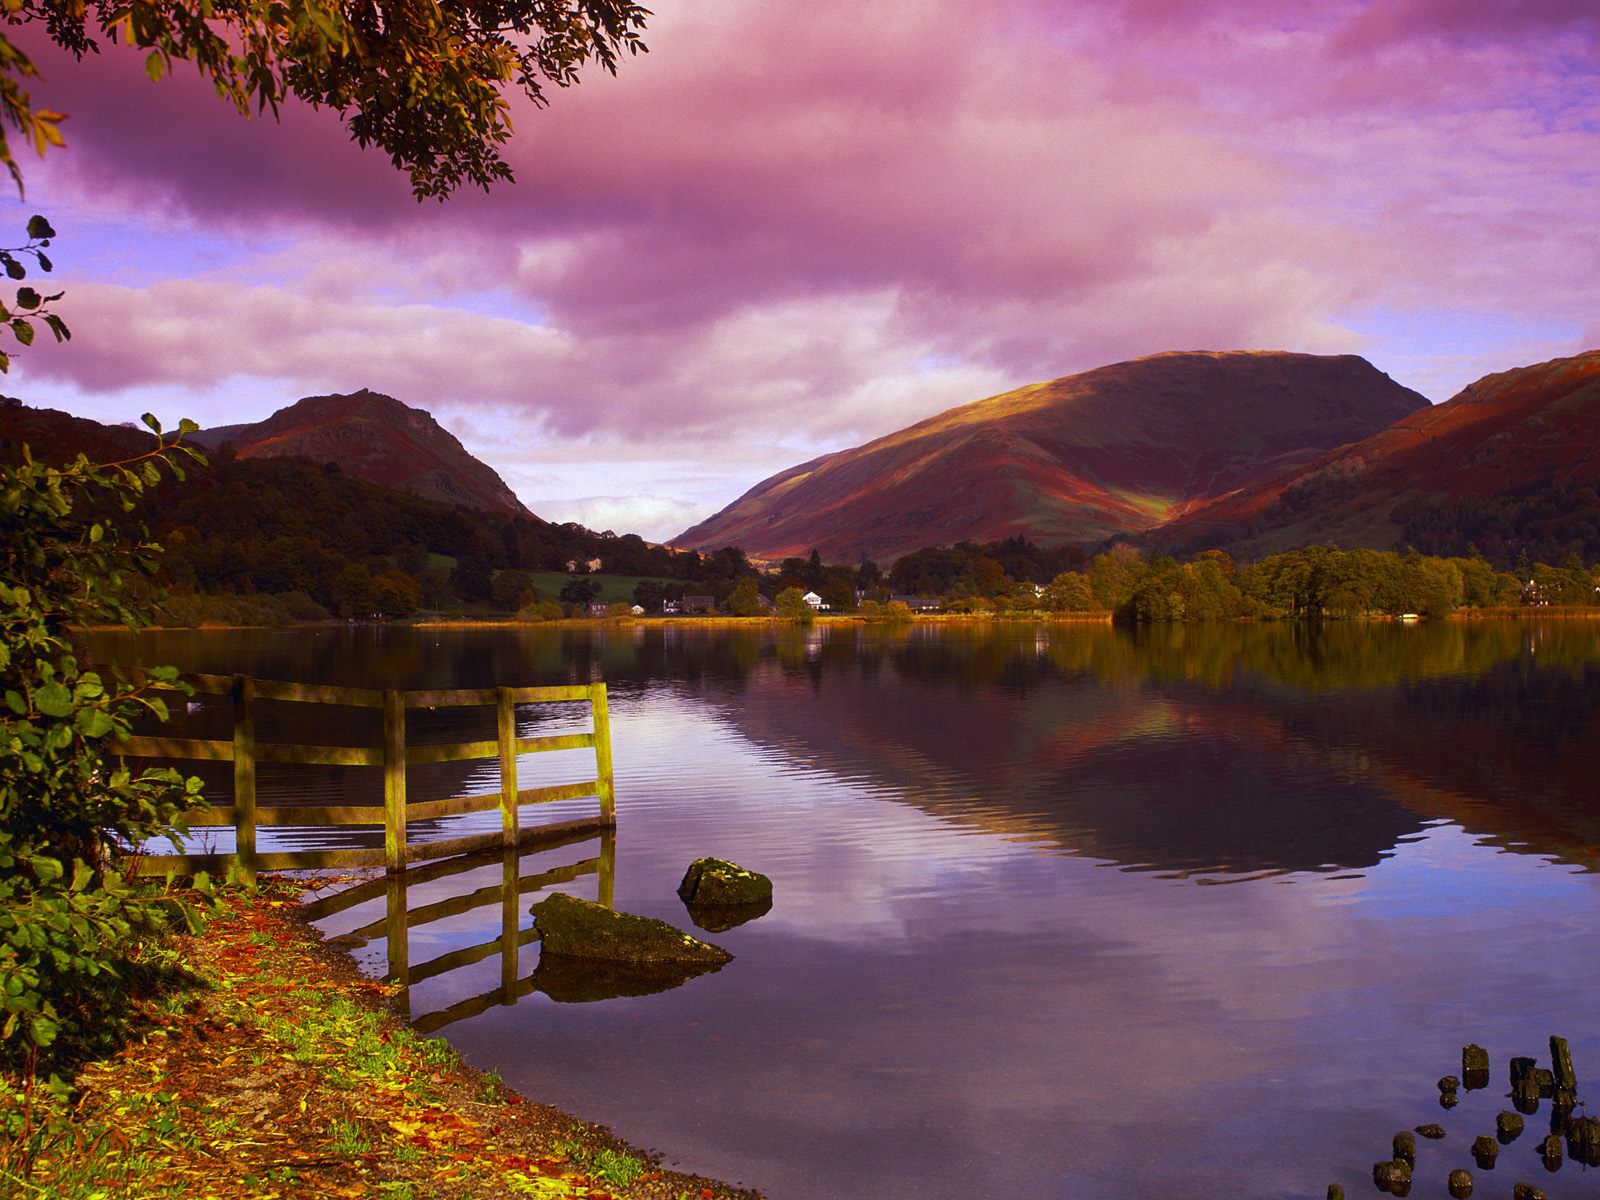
402,916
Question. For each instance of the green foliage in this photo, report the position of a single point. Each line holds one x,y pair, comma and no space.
791,606
29,305
579,590
746,598
1068,592
1114,575
424,84
69,917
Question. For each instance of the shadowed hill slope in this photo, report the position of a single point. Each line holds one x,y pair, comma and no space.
1511,463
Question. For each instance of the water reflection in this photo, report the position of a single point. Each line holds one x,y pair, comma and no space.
952,996
453,901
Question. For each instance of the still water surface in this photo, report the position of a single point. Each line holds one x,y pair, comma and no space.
1062,911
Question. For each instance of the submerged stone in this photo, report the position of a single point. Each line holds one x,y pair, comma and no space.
1526,1191
1335,1192
718,882
1449,1083
1507,1127
1520,1067
1432,1132
573,928
1460,1183
1484,1151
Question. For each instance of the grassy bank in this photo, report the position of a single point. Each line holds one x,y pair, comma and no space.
274,1069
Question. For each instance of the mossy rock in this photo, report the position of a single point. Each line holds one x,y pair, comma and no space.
718,883
573,928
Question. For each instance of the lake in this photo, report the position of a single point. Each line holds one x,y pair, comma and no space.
1061,910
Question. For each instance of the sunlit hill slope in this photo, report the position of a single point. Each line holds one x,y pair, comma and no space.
1110,452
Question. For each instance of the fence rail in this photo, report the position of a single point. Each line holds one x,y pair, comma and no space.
394,756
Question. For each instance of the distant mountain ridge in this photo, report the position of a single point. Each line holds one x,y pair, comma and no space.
1107,453
1514,457
376,438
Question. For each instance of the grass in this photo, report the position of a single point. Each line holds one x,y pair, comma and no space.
280,1073
605,1165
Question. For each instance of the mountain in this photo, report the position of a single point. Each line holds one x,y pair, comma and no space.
1511,464
1107,453
376,438
55,436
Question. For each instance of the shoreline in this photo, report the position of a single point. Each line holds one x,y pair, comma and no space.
281,1070
1519,613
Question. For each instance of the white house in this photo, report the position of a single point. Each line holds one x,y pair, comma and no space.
637,610
814,600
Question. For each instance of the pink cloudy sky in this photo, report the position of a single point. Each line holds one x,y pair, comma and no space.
794,226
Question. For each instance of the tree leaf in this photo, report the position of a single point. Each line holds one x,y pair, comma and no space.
53,700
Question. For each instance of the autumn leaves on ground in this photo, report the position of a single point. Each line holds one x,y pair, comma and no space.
269,1067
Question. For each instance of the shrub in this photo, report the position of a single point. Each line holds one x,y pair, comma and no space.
70,919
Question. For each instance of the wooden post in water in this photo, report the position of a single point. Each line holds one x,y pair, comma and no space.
397,939
602,752
510,912
506,711
608,868
394,780
244,774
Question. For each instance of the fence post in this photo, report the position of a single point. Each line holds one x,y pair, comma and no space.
510,914
244,775
608,868
397,939
602,752
394,780
506,711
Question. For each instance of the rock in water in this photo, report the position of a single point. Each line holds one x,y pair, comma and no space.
1526,1191
1561,1059
575,928
1508,1127
1335,1192
1460,1184
718,883
1474,1067
1550,1152
1433,1132
1484,1151
1405,1147
1393,1176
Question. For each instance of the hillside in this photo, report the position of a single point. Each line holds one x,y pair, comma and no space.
1107,453
1510,464
378,439
56,436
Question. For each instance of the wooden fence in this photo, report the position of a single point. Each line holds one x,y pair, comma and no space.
399,919
394,756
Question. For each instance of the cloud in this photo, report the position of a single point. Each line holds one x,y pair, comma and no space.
791,227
